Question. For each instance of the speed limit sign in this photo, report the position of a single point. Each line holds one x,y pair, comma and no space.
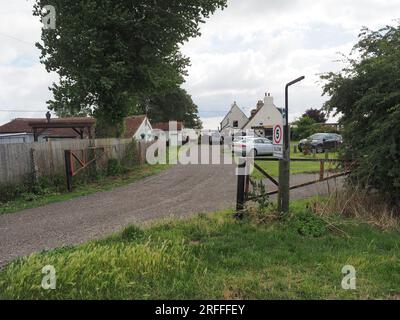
278,141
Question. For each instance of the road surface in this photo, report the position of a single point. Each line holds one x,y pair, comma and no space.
178,192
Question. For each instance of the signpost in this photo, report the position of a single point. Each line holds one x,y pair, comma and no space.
278,141
284,164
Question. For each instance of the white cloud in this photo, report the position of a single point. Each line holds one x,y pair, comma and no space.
252,47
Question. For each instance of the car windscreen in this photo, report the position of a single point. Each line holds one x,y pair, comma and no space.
317,137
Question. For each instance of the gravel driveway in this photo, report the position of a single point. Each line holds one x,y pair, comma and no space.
177,192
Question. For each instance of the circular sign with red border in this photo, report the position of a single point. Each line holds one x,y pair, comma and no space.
278,133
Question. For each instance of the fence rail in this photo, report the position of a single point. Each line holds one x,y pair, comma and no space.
19,162
244,181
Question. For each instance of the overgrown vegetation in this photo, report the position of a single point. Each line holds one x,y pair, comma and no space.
131,50
367,94
96,178
217,257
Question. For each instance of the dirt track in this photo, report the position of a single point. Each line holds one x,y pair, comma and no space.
179,191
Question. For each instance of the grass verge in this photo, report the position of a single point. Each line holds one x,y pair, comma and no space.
216,257
295,167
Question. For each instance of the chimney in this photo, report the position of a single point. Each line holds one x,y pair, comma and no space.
48,116
269,100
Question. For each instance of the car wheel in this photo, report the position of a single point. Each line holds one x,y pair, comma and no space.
253,153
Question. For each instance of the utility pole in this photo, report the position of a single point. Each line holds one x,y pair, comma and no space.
284,164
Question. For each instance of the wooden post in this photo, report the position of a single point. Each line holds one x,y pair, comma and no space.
240,198
284,184
68,169
322,170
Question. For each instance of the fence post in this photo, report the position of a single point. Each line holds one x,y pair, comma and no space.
142,152
322,170
34,167
241,180
68,169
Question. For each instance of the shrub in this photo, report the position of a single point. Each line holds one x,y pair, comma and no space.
114,167
308,224
367,94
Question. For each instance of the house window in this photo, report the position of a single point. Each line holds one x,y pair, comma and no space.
236,124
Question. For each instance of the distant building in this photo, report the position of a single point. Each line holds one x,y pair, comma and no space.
264,117
179,134
139,128
25,130
235,119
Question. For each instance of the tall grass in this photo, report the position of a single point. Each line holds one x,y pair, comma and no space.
355,202
216,257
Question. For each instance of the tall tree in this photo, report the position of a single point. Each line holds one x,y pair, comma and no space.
176,105
319,116
367,93
106,52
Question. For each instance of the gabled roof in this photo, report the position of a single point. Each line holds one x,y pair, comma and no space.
164,126
132,125
258,110
230,111
24,125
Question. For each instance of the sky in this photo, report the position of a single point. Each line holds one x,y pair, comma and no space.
250,48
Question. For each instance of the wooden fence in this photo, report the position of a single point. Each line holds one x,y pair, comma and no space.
19,162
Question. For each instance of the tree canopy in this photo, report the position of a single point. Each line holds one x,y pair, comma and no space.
319,116
106,52
176,105
367,94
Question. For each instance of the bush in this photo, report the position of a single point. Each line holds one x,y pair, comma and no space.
367,94
114,168
308,224
303,128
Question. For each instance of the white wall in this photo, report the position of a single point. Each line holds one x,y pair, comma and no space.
145,129
268,116
235,114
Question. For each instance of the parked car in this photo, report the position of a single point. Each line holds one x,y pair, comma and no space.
253,147
321,142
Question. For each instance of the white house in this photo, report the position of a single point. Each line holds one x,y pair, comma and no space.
264,117
139,128
235,119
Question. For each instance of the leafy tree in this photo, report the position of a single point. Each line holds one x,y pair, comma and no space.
303,128
176,105
106,52
319,116
367,93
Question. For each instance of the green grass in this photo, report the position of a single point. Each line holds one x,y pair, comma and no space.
216,257
103,184
295,167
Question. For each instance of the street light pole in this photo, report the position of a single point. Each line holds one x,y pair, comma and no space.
284,165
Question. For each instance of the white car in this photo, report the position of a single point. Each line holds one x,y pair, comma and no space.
253,147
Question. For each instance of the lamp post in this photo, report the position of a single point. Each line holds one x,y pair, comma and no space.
284,165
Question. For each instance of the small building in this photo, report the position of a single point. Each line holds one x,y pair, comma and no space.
139,128
168,129
264,117
234,120
25,130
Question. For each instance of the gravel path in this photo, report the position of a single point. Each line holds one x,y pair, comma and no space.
178,192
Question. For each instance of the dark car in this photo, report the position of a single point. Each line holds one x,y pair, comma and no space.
321,142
